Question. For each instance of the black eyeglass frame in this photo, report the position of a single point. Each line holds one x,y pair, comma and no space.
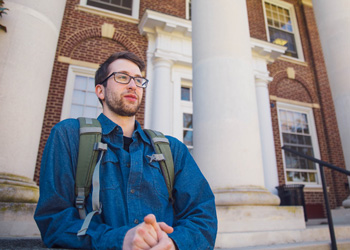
144,85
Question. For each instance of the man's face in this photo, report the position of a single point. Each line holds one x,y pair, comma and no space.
123,99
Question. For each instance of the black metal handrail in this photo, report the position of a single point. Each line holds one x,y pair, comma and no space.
324,187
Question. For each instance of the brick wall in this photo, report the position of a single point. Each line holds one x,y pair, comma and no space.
310,85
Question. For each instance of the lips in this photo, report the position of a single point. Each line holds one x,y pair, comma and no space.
131,97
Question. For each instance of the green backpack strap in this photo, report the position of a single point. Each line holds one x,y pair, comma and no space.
89,147
164,156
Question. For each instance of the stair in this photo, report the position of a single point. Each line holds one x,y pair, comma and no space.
314,237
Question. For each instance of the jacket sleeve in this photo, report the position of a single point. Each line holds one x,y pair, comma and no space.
195,224
56,216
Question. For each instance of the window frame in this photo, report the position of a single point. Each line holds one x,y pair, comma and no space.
313,133
134,12
73,71
294,23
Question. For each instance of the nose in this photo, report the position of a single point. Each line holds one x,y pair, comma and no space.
132,84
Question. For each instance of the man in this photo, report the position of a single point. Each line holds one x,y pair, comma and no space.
133,193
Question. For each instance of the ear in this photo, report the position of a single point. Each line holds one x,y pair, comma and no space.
100,91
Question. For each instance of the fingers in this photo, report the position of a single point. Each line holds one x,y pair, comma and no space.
151,220
140,237
147,235
165,243
168,229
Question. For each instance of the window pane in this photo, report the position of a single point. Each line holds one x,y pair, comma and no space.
80,82
187,120
78,97
90,112
185,94
76,111
91,84
91,99
188,138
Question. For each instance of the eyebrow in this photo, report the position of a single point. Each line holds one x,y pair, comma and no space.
126,72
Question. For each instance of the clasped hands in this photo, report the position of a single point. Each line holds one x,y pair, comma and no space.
150,234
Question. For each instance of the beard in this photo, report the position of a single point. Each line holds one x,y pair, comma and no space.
120,106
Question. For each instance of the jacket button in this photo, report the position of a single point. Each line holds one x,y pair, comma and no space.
136,221
132,191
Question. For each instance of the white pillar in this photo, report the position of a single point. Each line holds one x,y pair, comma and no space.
266,133
26,61
333,21
162,98
226,126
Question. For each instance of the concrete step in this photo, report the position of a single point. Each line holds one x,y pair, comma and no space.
321,245
314,237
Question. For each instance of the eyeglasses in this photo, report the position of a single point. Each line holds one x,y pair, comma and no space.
124,78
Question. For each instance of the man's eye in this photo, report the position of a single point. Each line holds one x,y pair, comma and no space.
122,78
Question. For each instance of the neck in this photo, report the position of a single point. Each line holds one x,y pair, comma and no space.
127,123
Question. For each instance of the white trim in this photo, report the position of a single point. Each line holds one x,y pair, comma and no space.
68,94
290,7
314,139
116,15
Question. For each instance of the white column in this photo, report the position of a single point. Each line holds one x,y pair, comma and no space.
226,126
333,21
26,61
162,97
266,133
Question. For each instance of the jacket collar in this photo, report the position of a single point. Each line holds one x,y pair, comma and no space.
108,126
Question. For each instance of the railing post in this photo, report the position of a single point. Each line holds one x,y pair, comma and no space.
328,210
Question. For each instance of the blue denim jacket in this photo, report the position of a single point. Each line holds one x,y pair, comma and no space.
131,188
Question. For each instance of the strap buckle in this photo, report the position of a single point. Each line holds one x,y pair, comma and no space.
156,157
80,202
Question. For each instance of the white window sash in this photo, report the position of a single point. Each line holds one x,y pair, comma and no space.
73,71
293,18
314,141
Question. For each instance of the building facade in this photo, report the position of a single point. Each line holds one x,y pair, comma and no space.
272,89
301,106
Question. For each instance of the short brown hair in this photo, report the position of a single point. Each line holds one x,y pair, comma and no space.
102,72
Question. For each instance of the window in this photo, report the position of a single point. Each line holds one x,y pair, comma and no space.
187,110
112,8
298,133
188,9
80,98
85,102
282,27
186,94
188,130
121,6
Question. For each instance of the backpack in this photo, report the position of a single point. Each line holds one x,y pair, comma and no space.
91,151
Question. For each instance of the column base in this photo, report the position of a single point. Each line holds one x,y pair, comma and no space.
259,218
16,220
252,210
245,195
346,203
14,188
